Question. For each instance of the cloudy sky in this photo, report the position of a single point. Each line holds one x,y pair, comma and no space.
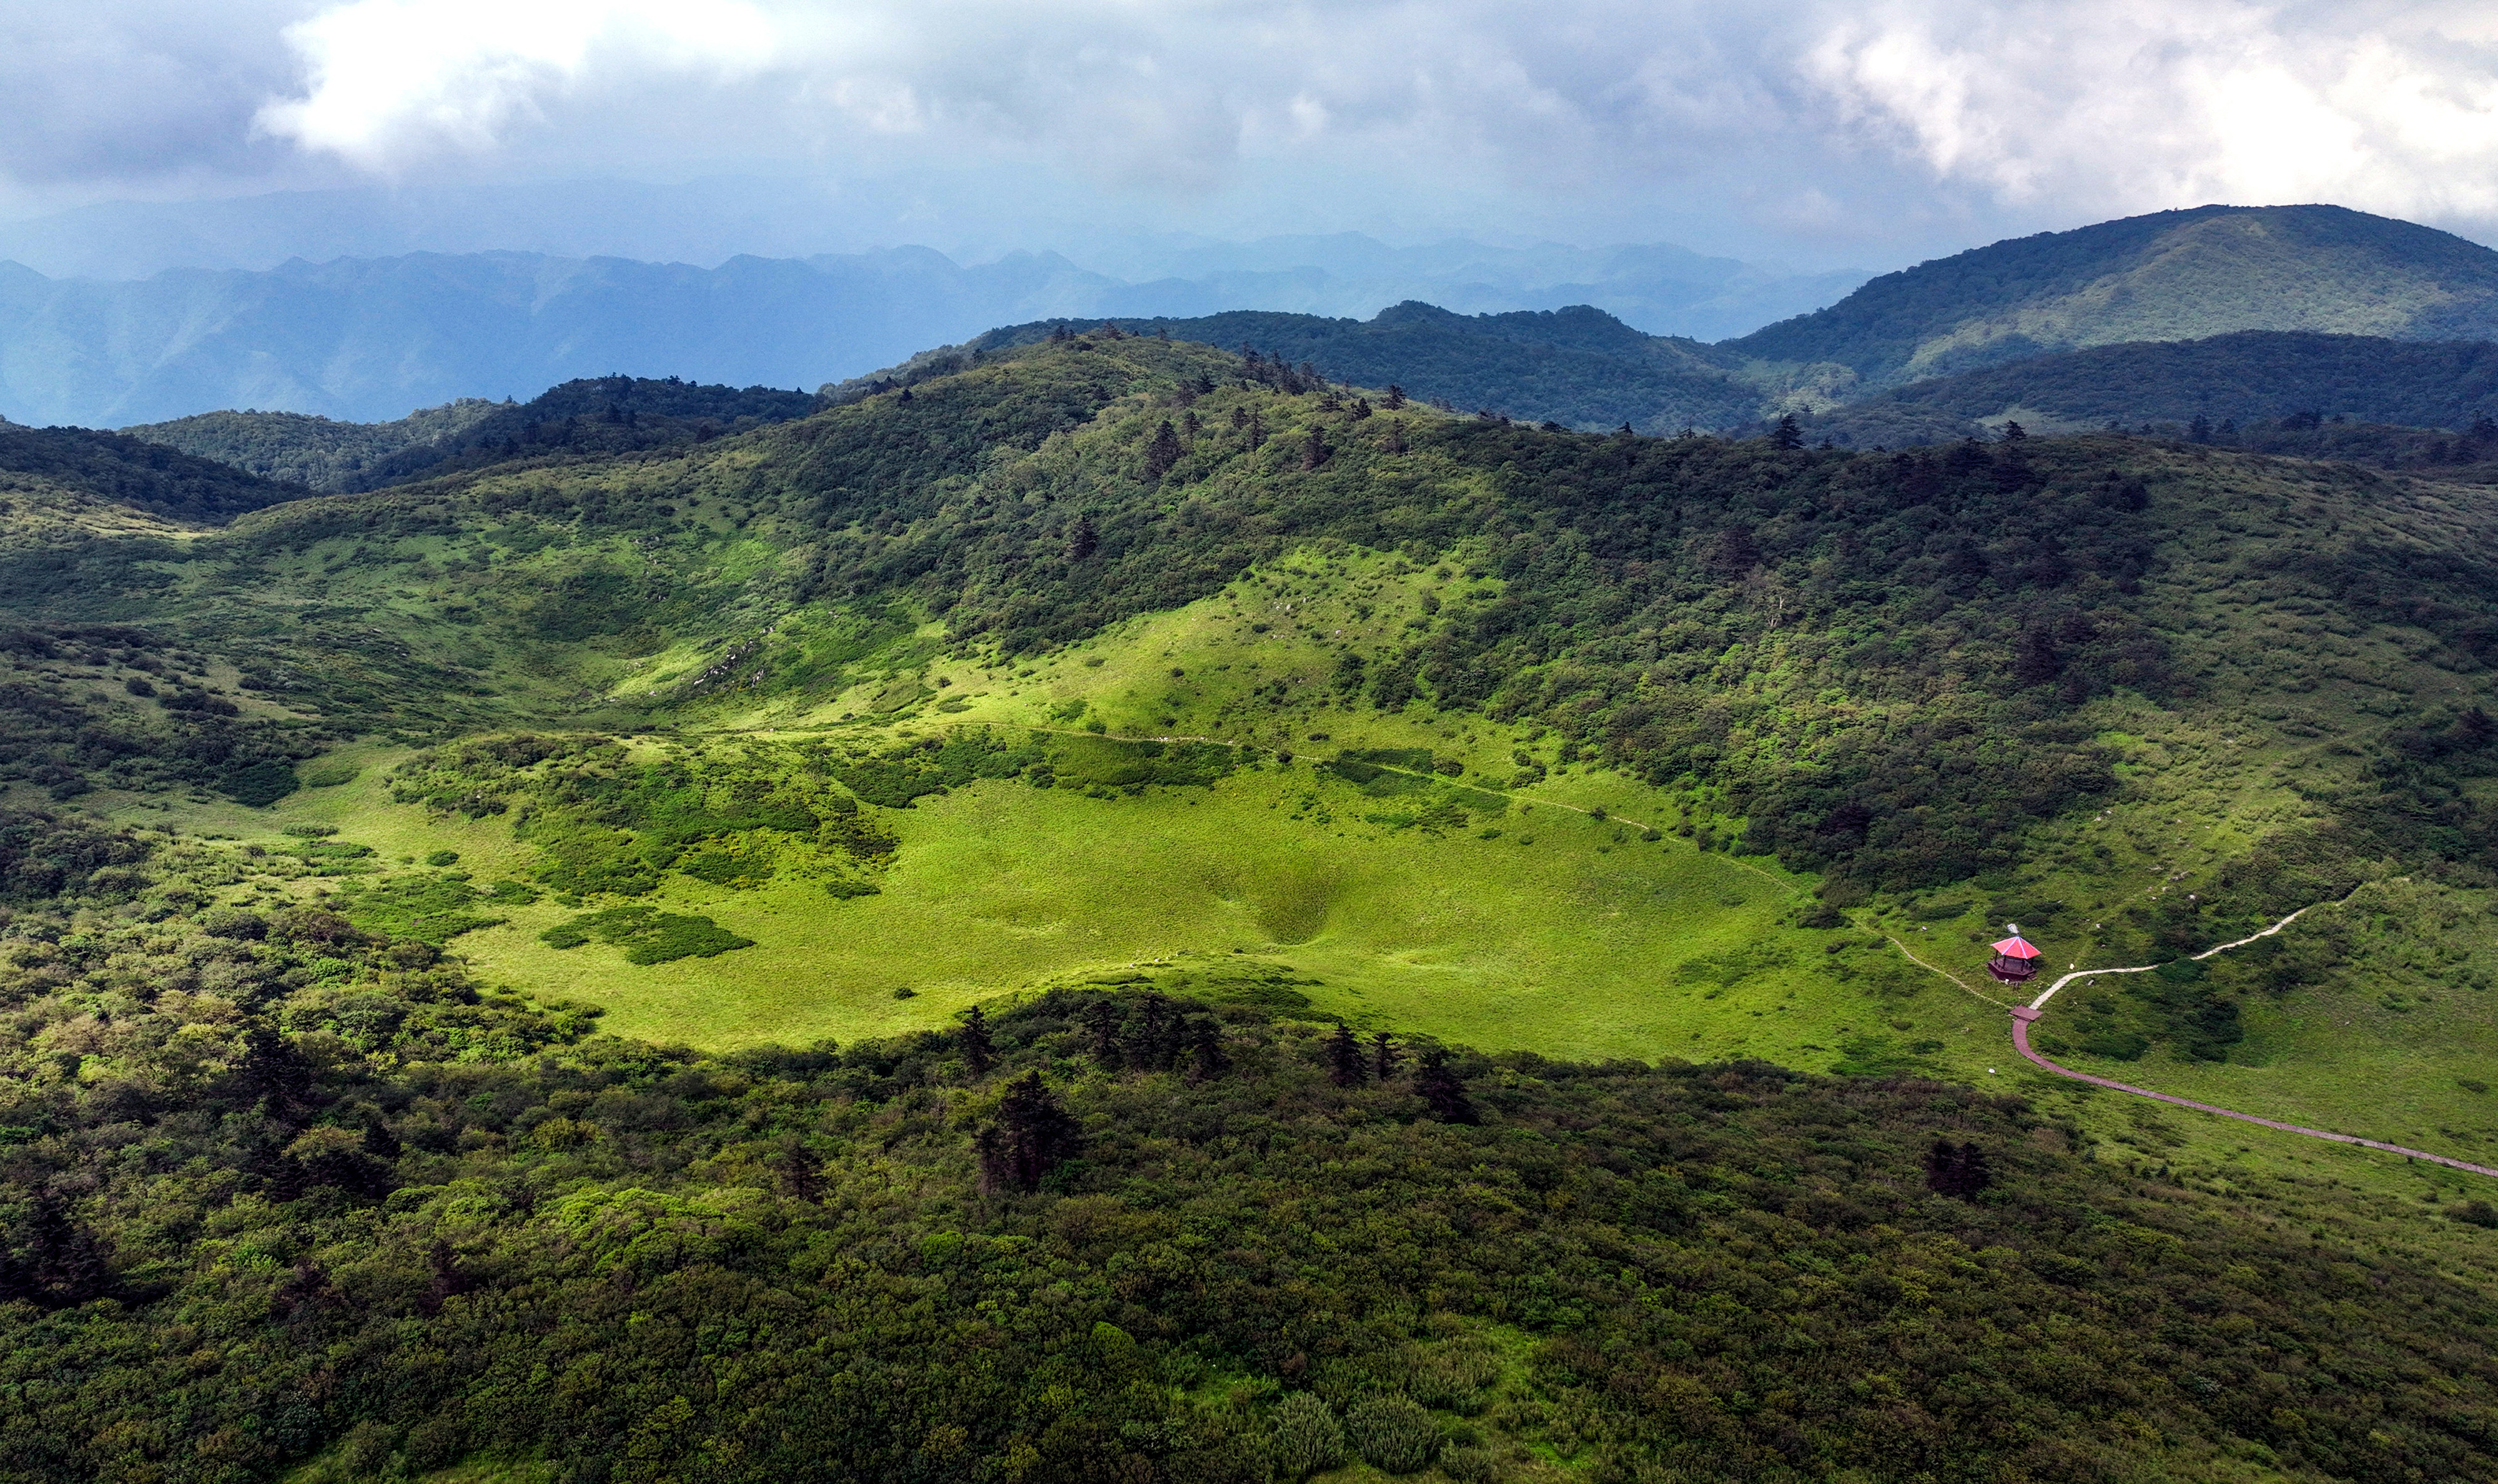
1869,133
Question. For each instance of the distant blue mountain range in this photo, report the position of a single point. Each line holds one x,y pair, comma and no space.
369,338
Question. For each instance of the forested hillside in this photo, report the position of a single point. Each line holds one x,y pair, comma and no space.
603,415
1579,366
2171,275
2238,380
123,470
296,447
871,936
284,1188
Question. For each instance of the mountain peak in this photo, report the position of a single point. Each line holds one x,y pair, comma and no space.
2168,276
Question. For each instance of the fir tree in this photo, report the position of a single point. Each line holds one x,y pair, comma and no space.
1101,1018
978,1056
802,1175
1443,1090
1395,398
1383,1057
276,1074
1207,1060
1314,450
1034,1135
1956,1170
1787,435
1345,1066
1083,540
1162,451
1148,1044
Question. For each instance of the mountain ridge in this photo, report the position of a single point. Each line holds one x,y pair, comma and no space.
2183,275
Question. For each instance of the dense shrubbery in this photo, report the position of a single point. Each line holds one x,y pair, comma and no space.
414,1221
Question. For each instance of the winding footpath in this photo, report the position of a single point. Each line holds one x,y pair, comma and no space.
2024,1015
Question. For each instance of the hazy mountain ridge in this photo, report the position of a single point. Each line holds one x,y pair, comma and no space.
364,340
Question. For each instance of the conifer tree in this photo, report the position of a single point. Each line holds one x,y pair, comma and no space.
801,1174
978,1056
1397,436
1162,451
1443,1090
1383,1057
1101,1018
1205,1054
1345,1066
1314,450
1787,435
1956,1170
1034,1135
1149,1045
1395,398
1084,541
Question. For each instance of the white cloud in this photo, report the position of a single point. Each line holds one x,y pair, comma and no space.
2138,104
1819,121
392,77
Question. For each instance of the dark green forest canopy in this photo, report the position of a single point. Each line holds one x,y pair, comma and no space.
271,1184
2255,377
134,472
589,418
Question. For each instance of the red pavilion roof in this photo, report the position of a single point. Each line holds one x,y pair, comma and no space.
2018,948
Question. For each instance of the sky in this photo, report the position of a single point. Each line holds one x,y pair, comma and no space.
1813,133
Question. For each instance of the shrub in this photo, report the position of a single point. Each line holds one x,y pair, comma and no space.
444,858
1393,1433
1454,1379
1305,1438
261,785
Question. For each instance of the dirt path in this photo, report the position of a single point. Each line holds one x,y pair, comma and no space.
2024,1015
